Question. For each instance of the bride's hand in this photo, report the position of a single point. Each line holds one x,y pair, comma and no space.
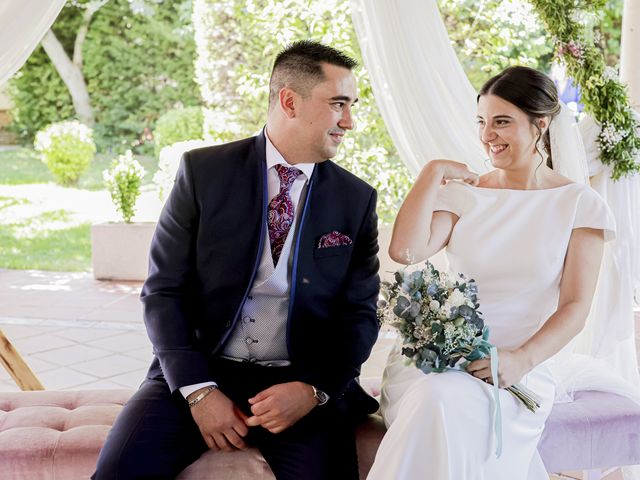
451,170
512,366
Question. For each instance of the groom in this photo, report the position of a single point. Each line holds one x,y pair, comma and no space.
260,300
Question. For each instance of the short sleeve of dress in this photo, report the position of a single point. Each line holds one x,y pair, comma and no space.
451,198
593,212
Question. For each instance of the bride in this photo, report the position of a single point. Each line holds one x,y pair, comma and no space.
533,241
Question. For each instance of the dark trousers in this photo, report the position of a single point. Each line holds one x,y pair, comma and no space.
155,437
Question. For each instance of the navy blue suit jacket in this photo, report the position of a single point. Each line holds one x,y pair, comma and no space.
206,251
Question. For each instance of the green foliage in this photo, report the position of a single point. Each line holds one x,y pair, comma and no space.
136,66
23,166
123,182
492,35
237,100
608,31
178,125
602,93
67,149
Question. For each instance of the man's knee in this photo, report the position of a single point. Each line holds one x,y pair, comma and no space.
122,465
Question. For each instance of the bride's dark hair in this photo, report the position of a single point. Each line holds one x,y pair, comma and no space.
532,92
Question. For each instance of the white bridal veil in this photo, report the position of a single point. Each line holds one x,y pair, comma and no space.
428,105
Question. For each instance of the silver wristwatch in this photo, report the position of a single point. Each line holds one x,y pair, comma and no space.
320,396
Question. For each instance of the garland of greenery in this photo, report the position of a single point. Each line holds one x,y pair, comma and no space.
603,95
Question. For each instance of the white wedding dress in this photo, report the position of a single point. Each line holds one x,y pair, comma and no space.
513,243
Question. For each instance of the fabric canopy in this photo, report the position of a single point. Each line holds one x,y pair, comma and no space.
23,23
424,95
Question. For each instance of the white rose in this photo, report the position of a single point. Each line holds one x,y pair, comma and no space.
457,298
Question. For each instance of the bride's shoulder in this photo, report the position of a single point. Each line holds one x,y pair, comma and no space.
556,180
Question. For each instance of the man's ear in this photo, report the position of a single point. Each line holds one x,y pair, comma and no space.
288,100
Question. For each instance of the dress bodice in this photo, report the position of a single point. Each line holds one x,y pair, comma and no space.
514,243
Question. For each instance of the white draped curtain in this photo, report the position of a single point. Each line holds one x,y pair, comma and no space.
428,106
426,99
23,23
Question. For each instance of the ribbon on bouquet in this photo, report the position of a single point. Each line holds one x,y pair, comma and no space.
497,413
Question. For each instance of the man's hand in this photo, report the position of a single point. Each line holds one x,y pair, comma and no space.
221,423
280,406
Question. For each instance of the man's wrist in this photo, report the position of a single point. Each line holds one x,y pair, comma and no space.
199,395
187,390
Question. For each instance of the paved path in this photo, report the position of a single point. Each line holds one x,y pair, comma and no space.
79,333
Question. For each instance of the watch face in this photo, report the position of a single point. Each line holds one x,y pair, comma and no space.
321,397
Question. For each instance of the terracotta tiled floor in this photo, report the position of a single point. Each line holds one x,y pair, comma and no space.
79,333
73,331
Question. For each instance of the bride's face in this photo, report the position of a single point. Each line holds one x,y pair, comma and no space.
506,133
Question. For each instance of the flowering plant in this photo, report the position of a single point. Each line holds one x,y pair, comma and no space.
440,324
602,92
67,149
123,181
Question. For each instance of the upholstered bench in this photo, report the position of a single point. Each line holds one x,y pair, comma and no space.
46,435
57,435
594,432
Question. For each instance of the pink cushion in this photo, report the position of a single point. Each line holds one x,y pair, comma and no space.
47,435
58,435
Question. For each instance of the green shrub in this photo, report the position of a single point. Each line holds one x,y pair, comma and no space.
123,182
177,126
137,63
67,149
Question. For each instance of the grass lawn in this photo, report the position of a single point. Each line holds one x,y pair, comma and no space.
23,166
44,242
47,237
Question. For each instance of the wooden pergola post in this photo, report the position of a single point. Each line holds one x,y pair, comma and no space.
17,367
629,51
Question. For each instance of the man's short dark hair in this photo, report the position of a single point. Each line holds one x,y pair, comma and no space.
299,67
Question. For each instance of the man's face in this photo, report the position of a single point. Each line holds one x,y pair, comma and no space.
325,115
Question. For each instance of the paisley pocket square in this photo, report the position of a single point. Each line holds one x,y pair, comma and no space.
334,239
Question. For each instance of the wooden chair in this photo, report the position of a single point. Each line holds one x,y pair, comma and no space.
17,367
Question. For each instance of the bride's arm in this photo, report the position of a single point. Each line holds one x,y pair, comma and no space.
577,287
419,232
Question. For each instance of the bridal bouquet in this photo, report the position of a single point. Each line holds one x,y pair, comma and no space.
439,321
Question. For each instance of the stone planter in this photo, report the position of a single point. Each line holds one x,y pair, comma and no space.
120,251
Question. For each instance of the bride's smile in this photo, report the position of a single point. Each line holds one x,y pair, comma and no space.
507,134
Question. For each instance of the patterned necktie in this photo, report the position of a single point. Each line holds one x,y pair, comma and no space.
281,212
